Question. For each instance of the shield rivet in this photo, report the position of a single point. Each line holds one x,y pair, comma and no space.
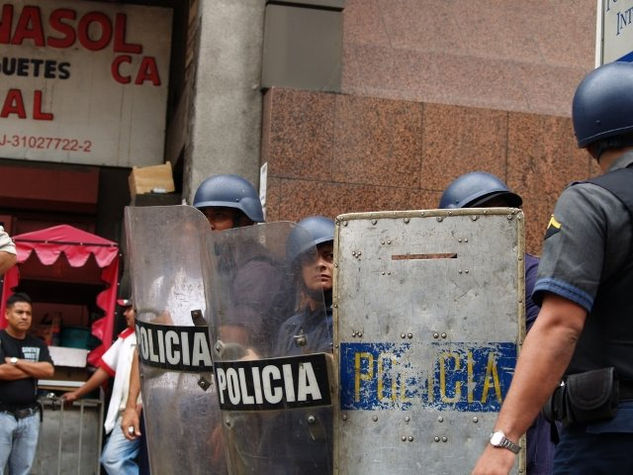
444,439
360,334
406,220
353,333
382,242
410,438
474,218
407,419
403,438
374,221
409,335
475,419
344,417
459,240
436,335
443,335
465,239
389,241
459,271
344,223
440,219
436,439
374,418
440,419
402,335
311,419
382,273
466,271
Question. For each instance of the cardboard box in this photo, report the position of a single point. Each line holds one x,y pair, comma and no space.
154,179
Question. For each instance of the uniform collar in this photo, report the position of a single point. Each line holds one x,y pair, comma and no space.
623,161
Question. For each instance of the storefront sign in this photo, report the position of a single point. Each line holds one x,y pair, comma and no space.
83,82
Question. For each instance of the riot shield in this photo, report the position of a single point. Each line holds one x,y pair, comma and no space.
428,312
271,346
179,394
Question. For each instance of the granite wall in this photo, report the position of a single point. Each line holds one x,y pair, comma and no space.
433,89
337,153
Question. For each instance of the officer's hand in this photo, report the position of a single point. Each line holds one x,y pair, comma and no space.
69,396
494,461
130,424
250,355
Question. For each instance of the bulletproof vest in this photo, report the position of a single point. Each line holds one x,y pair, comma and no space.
607,339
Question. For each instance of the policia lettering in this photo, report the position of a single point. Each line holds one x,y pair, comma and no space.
458,376
273,383
174,347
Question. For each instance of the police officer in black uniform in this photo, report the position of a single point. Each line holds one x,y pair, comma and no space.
584,331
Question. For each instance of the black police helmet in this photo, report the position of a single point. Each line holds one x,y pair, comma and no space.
230,191
307,234
476,189
603,103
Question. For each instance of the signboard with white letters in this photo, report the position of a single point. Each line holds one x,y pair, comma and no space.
614,31
83,82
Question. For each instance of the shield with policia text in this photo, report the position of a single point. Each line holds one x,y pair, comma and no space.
428,311
164,250
271,346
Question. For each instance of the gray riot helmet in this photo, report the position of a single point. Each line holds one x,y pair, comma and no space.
229,191
308,234
603,104
475,189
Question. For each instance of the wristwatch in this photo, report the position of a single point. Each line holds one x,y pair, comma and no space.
13,360
499,439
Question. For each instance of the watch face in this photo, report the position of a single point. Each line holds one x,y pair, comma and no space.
496,438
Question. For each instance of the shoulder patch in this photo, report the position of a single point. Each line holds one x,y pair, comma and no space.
552,227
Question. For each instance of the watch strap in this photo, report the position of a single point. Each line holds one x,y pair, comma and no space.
508,444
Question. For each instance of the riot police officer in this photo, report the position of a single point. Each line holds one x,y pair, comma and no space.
584,282
300,442
230,201
310,253
480,189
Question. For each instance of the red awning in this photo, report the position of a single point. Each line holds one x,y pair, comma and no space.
77,246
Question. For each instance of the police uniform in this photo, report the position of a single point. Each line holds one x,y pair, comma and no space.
587,258
305,332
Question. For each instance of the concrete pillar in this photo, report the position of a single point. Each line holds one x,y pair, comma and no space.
226,107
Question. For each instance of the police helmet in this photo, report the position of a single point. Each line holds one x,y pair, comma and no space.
230,191
307,234
603,103
476,189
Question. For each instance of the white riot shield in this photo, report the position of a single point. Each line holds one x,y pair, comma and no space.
178,390
428,320
271,354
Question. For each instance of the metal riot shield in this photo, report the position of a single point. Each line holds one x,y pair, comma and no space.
428,311
178,390
271,343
